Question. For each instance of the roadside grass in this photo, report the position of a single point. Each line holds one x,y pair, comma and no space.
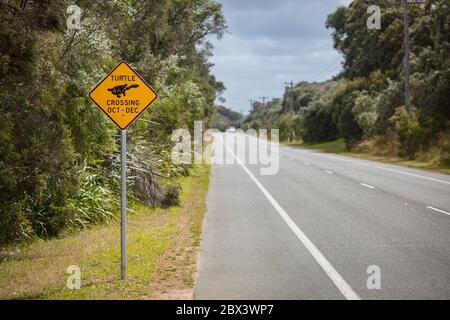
162,246
336,146
339,147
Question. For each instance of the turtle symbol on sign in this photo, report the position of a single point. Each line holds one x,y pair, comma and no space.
121,89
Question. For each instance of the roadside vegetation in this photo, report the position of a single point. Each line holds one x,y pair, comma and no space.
162,247
59,160
364,105
225,118
339,147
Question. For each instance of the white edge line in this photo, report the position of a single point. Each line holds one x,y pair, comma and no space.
326,266
381,167
438,210
412,174
367,185
340,159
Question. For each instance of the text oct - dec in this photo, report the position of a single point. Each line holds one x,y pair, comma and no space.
127,109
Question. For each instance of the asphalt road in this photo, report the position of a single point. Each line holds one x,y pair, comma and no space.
320,227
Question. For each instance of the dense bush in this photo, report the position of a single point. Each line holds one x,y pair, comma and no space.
171,195
317,124
411,135
59,160
443,142
225,118
362,104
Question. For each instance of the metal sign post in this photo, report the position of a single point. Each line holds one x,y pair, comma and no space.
123,204
123,96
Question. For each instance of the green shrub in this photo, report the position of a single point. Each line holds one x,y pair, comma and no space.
444,144
365,112
171,196
285,125
411,136
317,124
59,164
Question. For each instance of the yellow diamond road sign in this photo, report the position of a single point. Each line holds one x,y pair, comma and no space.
123,95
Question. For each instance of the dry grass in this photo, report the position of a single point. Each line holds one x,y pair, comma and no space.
162,247
176,269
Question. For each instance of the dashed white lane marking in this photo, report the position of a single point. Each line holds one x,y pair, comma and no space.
438,210
329,172
326,266
306,163
367,185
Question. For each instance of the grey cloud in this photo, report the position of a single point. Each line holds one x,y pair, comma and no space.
280,19
270,42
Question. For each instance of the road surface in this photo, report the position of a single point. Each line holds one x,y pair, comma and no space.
321,227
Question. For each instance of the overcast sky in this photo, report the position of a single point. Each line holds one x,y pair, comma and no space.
270,42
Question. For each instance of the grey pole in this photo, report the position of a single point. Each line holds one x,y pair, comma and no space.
264,98
123,205
407,49
291,97
251,105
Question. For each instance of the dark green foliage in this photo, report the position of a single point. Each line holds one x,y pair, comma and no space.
342,104
171,195
362,102
443,142
312,118
367,52
410,134
225,118
317,125
59,162
284,125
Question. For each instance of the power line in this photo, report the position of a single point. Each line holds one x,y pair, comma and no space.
330,67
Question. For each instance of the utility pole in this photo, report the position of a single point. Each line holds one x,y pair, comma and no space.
291,97
264,100
251,104
407,54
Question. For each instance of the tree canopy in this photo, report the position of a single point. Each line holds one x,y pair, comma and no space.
58,152
366,101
